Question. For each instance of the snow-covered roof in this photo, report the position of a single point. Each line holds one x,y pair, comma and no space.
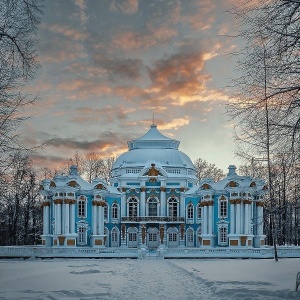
153,147
232,183
153,139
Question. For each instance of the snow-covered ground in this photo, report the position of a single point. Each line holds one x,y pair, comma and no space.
149,279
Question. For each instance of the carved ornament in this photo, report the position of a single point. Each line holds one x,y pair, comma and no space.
153,171
58,201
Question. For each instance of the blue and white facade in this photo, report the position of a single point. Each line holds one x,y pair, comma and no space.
154,201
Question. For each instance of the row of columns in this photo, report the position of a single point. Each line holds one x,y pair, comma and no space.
240,216
98,217
64,216
207,217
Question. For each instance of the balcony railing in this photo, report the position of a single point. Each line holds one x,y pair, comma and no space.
153,219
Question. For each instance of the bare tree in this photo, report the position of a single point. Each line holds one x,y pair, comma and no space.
20,210
90,166
207,170
266,107
18,62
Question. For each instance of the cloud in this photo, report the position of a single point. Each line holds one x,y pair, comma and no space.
106,114
131,40
66,31
82,11
125,6
174,124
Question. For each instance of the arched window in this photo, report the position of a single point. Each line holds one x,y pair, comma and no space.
223,207
190,211
114,237
132,207
173,207
199,212
152,207
82,207
190,237
115,211
173,240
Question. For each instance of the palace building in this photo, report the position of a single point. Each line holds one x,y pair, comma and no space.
154,201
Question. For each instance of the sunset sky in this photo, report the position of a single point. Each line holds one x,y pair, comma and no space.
108,66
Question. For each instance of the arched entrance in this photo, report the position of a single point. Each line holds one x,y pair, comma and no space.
152,237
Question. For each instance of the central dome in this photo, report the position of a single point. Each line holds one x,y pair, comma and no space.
153,147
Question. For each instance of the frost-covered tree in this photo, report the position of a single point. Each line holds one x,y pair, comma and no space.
207,170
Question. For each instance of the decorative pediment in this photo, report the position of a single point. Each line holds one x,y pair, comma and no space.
253,184
100,186
153,171
232,184
52,184
73,183
205,186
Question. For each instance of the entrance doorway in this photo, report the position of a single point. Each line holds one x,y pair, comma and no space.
152,238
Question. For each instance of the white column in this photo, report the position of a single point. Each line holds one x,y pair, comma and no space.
260,209
210,218
242,222
46,212
123,205
66,217
182,206
162,199
205,216
94,219
72,216
101,219
238,217
246,221
143,199
232,217
58,216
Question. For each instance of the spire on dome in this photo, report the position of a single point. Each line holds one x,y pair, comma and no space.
153,139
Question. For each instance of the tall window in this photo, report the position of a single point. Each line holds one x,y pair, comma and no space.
82,207
190,237
223,233
223,210
152,207
114,211
81,235
114,235
190,211
173,207
106,212
199,212
132,207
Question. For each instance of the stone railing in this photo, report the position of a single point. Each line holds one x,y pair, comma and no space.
153,219
87,252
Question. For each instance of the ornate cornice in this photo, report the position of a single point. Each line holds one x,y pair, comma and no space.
58,201
247,201
207,203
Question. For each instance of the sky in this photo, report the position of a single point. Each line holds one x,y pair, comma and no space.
108,67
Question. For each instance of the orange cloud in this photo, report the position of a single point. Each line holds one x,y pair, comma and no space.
65,31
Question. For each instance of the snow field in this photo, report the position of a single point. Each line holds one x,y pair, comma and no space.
132,279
